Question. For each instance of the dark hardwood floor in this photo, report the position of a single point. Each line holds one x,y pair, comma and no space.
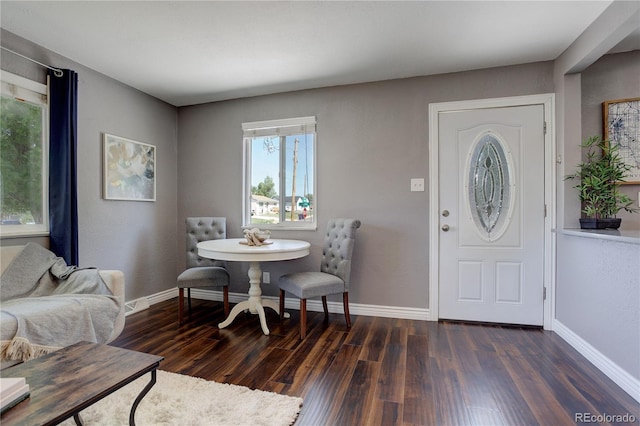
385,371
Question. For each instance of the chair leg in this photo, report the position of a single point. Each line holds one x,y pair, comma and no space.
189,298
303,318
345,302
281,311
326,309
181,305
225,299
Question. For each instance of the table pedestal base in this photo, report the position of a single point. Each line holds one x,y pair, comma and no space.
255,304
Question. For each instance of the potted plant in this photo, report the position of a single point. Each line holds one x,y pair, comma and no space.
600,176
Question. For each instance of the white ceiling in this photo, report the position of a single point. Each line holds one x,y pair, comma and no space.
194,52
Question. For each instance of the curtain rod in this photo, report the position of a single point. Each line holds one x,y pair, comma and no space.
56,71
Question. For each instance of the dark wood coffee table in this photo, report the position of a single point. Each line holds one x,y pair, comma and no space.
67,381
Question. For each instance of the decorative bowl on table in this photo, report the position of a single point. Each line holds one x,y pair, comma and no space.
256,234
263,235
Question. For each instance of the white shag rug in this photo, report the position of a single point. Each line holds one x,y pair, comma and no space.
177,399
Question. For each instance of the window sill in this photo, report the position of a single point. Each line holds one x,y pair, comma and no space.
6,234
310,227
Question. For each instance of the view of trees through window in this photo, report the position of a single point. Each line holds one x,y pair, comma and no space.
282,179
21,167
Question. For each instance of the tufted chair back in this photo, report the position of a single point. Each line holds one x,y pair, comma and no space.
204,229
338,248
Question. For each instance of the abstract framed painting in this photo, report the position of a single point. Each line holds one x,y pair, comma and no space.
622,128
129,170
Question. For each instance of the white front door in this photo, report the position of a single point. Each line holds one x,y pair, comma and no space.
492,214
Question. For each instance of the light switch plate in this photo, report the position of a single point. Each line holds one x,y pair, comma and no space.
417,184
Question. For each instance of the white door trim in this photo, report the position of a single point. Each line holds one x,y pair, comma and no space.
548,100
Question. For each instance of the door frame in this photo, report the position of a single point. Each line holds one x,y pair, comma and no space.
550,176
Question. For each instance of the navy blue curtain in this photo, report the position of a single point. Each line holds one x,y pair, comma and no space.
63,200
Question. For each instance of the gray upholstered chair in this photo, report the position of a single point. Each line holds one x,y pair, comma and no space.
201,272
333,278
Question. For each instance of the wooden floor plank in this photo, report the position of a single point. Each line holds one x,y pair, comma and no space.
507,398
474,389
259,371
376,340
393,368
419,399
308,364
385,413
451,406
326,395
545,405
359,330
384,371
358,400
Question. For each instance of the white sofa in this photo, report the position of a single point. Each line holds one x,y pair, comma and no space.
113,279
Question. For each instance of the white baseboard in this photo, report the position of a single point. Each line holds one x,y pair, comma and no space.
290,303
136,305
163,295
418,314
334,307
621,377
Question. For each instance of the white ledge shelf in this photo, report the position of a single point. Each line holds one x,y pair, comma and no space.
622,236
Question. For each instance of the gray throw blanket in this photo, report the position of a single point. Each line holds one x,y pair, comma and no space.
47,305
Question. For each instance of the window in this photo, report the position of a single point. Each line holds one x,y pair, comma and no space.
24,143
279,181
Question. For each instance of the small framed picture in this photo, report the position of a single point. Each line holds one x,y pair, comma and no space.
622,128
129,170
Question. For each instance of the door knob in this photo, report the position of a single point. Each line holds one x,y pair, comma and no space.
445,228
445,213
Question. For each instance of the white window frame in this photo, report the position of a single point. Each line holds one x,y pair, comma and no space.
30,91
282,127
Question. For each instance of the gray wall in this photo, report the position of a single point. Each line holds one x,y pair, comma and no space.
598,296
612,77
135,237
372,139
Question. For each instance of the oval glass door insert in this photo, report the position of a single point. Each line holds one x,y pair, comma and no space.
489,186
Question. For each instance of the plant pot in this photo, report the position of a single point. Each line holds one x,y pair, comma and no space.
608,223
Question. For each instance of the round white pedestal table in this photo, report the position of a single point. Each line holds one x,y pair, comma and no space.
233,249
